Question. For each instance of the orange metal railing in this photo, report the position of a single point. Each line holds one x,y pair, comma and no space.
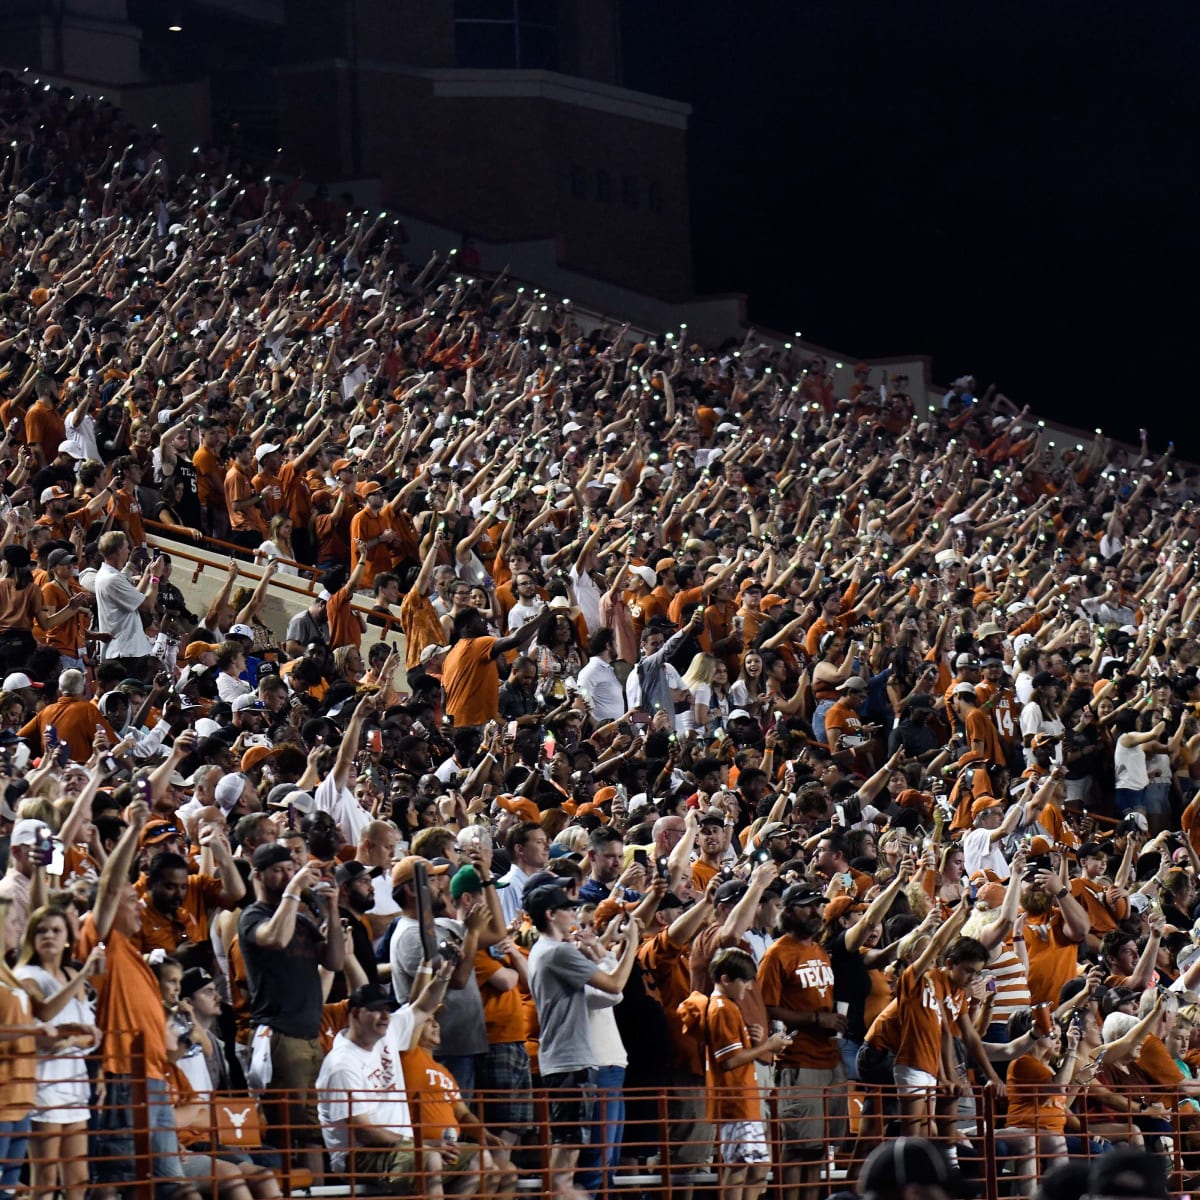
660,1143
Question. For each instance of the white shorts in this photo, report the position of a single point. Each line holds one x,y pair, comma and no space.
743,1142
910,1081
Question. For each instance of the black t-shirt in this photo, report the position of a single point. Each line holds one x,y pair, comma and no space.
189,499
285,988
851,983
364,951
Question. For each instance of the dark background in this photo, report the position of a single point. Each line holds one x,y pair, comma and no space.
1011,188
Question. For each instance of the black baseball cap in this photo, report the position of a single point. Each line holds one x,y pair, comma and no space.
802,893
545,899
270,855
373,995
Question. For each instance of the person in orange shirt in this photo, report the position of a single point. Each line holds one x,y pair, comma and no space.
469,676
982,737
124,508
843,728
712,840
210,478
1037,1088
44,425
346,627
59,590
1055,924
796,979
371,528
243,502
468,1165
268,481
734,1104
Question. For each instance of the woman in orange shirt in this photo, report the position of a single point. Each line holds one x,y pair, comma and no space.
1038,1086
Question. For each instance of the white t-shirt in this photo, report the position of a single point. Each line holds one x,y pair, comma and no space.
341,805
367,1083
980,853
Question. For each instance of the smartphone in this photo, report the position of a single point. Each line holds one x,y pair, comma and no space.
640,857
375,741
662,867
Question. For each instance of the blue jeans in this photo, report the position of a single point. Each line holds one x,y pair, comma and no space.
818,721
14,1141
849,1056
608,1128
112,1144
462,1067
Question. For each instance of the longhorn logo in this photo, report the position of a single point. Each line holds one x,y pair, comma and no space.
237,1120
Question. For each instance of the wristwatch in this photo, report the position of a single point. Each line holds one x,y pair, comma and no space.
1063,893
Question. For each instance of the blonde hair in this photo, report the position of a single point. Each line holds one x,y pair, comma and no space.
574,837
701,669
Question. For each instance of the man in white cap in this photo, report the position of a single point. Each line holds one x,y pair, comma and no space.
843,729
267,481
24,883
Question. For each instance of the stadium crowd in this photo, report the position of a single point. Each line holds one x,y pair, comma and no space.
738,733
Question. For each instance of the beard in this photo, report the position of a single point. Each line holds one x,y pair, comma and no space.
804,929
360,904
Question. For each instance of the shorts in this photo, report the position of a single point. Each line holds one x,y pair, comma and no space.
689,1135
569,1110
397,1166
1128,799
743,1142
812,1109
505,1069
911,1082
294,1066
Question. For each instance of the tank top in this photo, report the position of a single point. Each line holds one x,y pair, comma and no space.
1130,765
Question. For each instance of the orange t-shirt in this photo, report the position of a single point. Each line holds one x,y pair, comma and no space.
1031,1103
841,721
18,1058
798,975
207,468
471,682
271,487
921,1004
127,513
419,620
238,488
434,1089
717,1024
980,729
667,975
1091,896
67,638
1053,957
344,626
365,526
702,875
128,999
503,1012
165,931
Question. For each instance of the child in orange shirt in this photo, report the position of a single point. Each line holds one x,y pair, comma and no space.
470,1167
1038,1084
734,1101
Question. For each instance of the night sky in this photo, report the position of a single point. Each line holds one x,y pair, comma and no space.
1011,188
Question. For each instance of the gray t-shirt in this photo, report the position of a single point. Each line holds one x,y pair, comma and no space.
303,628
463,1029
558,973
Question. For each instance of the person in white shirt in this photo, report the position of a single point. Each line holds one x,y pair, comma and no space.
528,604
120,602
361,1099
983,846
605,695
529,850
